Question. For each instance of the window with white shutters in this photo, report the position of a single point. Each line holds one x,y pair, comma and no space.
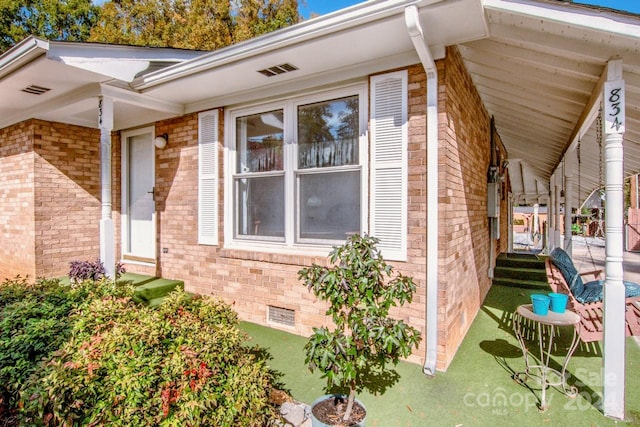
296,170
208,178
389,138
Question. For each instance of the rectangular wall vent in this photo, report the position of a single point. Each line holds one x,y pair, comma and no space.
278,69
282,316
35,90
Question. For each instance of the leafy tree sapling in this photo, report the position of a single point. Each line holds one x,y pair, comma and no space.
360,288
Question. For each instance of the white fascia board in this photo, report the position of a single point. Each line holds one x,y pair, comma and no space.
589,17
140,100
351,17
22,53
58,49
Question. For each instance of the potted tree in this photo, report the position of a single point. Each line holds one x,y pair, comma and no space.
360,288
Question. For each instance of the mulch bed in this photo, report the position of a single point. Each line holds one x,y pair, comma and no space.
8,419
331,411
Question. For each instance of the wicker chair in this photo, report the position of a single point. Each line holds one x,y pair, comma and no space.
591,313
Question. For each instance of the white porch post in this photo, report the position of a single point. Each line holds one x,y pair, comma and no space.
535,220
556,232
569,165
510,222
614,291
551,216
107,238
568,194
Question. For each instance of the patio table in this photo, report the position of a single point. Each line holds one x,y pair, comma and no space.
524,316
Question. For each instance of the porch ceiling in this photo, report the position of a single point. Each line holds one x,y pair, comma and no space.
536,73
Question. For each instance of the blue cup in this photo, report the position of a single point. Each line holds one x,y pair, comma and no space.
558,302
540,304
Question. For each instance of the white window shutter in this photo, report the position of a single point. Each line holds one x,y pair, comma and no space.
208,178
389,140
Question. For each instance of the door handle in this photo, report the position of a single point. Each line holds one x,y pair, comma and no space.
153,193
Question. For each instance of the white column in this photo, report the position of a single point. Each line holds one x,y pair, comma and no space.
510,223
107,238
614,292
557,235
535,221
551,216
568,207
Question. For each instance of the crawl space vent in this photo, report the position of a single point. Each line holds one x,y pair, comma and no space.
278,69
282,316
35,90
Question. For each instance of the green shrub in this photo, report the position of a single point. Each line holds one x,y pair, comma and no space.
33,323
180,364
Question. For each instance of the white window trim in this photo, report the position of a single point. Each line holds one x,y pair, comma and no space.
289,106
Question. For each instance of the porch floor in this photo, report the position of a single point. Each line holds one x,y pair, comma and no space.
477,389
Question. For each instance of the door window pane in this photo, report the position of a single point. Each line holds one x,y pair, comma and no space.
328,133
259,140
329,205
260,206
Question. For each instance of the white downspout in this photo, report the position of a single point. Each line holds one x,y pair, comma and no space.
412,21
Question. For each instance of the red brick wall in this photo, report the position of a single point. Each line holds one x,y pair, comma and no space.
49,189
464,228
16,201
67,207
249,280
253,280
67,196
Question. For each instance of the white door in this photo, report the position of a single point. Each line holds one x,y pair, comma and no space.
139,230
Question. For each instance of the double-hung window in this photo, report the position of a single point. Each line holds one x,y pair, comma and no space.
297,173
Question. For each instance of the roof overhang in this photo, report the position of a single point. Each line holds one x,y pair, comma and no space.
349,44
61,81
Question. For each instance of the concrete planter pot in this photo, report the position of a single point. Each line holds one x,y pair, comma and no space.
317,423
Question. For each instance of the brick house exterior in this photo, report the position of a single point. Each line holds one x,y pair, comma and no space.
253,281
51,179
438,117
50,189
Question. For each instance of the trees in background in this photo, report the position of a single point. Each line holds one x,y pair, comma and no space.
187,24
51,19
191,24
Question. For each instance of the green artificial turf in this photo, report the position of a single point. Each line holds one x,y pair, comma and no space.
477,389
148,289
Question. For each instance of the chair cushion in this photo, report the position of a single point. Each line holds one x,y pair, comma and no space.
563,262
593,291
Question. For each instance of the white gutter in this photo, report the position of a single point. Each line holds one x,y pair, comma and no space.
412,20
22,53
341,20
577,15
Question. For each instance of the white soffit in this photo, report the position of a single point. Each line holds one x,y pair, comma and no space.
119,62
536,72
